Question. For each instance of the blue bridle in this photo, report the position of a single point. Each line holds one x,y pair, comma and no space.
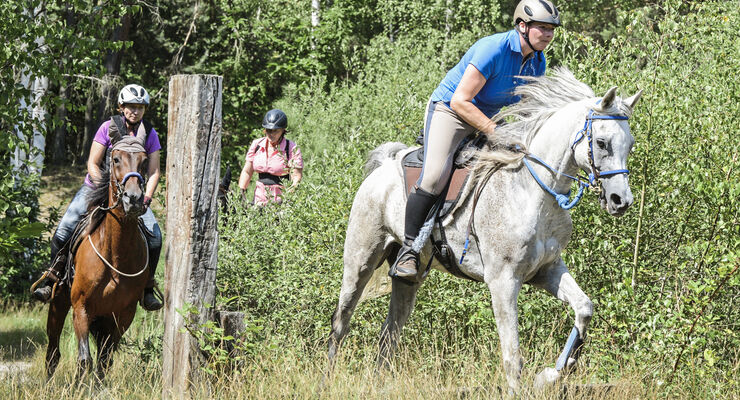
594,177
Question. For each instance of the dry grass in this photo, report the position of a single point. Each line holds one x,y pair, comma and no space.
298,370
277,370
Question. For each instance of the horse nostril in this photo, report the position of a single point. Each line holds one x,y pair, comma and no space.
616,200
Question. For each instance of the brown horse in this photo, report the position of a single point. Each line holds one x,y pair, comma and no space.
111,263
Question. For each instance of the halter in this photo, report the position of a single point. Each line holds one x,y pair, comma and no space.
594,178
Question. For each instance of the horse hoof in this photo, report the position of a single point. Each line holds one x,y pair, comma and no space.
546,378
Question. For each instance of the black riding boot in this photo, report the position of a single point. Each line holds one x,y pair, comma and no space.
417,208
42,290
150,302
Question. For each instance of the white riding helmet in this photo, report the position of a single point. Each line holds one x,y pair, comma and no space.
133,94
537,11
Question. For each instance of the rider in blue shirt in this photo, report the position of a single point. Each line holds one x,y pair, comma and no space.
469,95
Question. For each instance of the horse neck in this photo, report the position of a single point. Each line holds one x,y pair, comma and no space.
552,144
120,229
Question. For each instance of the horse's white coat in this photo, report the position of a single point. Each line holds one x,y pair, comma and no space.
520,231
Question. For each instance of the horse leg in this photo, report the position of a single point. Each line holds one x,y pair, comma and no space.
111,331
81,324
557,280
359,266
102,330
58,309
403,297
504,292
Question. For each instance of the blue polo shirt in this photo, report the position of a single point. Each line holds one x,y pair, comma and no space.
499,58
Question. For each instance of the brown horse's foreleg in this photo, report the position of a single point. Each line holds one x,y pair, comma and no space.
81,323
58,309
103,330
108,332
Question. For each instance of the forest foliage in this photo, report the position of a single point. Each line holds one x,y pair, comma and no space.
663,277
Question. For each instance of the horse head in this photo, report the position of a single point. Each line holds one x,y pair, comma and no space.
603,153
128,165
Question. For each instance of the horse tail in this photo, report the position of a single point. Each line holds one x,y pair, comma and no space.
386,151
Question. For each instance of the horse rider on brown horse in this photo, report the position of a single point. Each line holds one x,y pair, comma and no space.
132,103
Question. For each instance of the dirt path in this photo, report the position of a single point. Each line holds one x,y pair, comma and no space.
13,368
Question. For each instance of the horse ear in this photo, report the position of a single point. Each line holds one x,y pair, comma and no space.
226,181
608,100
631,101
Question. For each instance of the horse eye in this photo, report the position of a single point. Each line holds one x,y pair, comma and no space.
116,160
601,143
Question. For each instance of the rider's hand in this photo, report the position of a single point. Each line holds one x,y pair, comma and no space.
147,202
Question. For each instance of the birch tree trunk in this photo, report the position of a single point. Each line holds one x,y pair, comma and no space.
32,162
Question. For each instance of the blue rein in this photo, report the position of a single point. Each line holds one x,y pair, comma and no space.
562,199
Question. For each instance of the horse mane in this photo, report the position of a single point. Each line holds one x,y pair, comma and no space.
98,197
541,97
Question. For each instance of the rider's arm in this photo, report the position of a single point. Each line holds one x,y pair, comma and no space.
97,152
462,100
153,173
246,176
296,174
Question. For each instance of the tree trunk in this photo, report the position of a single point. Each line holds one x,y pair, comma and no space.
33,162
193,159
315,13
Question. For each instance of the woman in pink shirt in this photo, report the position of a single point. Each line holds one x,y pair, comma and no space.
275,159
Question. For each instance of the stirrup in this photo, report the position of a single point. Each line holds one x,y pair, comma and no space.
49,273
406,254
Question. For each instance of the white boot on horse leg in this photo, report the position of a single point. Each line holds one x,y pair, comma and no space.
557,280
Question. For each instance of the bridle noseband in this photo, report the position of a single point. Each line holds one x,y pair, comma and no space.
594,178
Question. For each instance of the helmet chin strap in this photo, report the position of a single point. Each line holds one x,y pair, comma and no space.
525,34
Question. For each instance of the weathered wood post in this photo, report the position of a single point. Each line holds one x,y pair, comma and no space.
193,159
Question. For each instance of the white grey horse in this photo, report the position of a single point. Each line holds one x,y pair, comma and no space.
520,227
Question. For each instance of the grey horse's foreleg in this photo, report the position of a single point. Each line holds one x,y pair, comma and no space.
504,293
557,280
403,298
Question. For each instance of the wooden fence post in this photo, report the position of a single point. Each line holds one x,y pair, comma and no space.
193,159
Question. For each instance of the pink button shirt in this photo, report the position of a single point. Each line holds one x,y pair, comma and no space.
274,163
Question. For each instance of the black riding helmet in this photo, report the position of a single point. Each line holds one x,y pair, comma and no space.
275,119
